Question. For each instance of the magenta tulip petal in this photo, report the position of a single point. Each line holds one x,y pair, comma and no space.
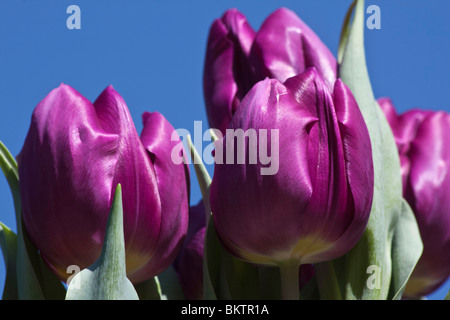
423,140
189,263
316,206
173,185
133,174
237,57
285,46
427,192
359,169
404,127
227,74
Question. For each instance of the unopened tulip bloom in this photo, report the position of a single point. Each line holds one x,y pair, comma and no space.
189,263
317,205
227,72
423,141
74,155
237,57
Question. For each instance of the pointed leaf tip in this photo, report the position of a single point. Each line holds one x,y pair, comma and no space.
106,278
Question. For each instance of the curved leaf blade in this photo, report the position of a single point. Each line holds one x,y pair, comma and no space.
212,247
106,279
149,290
225,277
405,250
8,243
380,239
170,285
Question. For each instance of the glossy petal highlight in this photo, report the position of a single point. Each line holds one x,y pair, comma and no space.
317,205
74,155
423,141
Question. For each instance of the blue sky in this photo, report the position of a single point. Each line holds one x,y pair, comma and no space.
152,52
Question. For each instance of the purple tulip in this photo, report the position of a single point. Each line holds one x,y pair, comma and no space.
74,156
189,263
423,141
237,58
316,206
227,73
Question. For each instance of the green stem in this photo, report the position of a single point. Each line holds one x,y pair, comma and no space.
327,281
289,281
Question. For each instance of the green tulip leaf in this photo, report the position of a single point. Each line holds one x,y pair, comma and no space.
106,279
270,283
202,174
9,167
327,281
405,252
34,280
224,276
373,264
241,277
149,290
165,286
8,243
212,253
170,285
310,290
212,246
447,297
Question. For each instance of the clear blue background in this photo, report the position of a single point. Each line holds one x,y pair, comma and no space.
152,53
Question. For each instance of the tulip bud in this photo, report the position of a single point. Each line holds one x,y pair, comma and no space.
237,57
189,263
423,141
227,73
74,155
285,46
316,206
